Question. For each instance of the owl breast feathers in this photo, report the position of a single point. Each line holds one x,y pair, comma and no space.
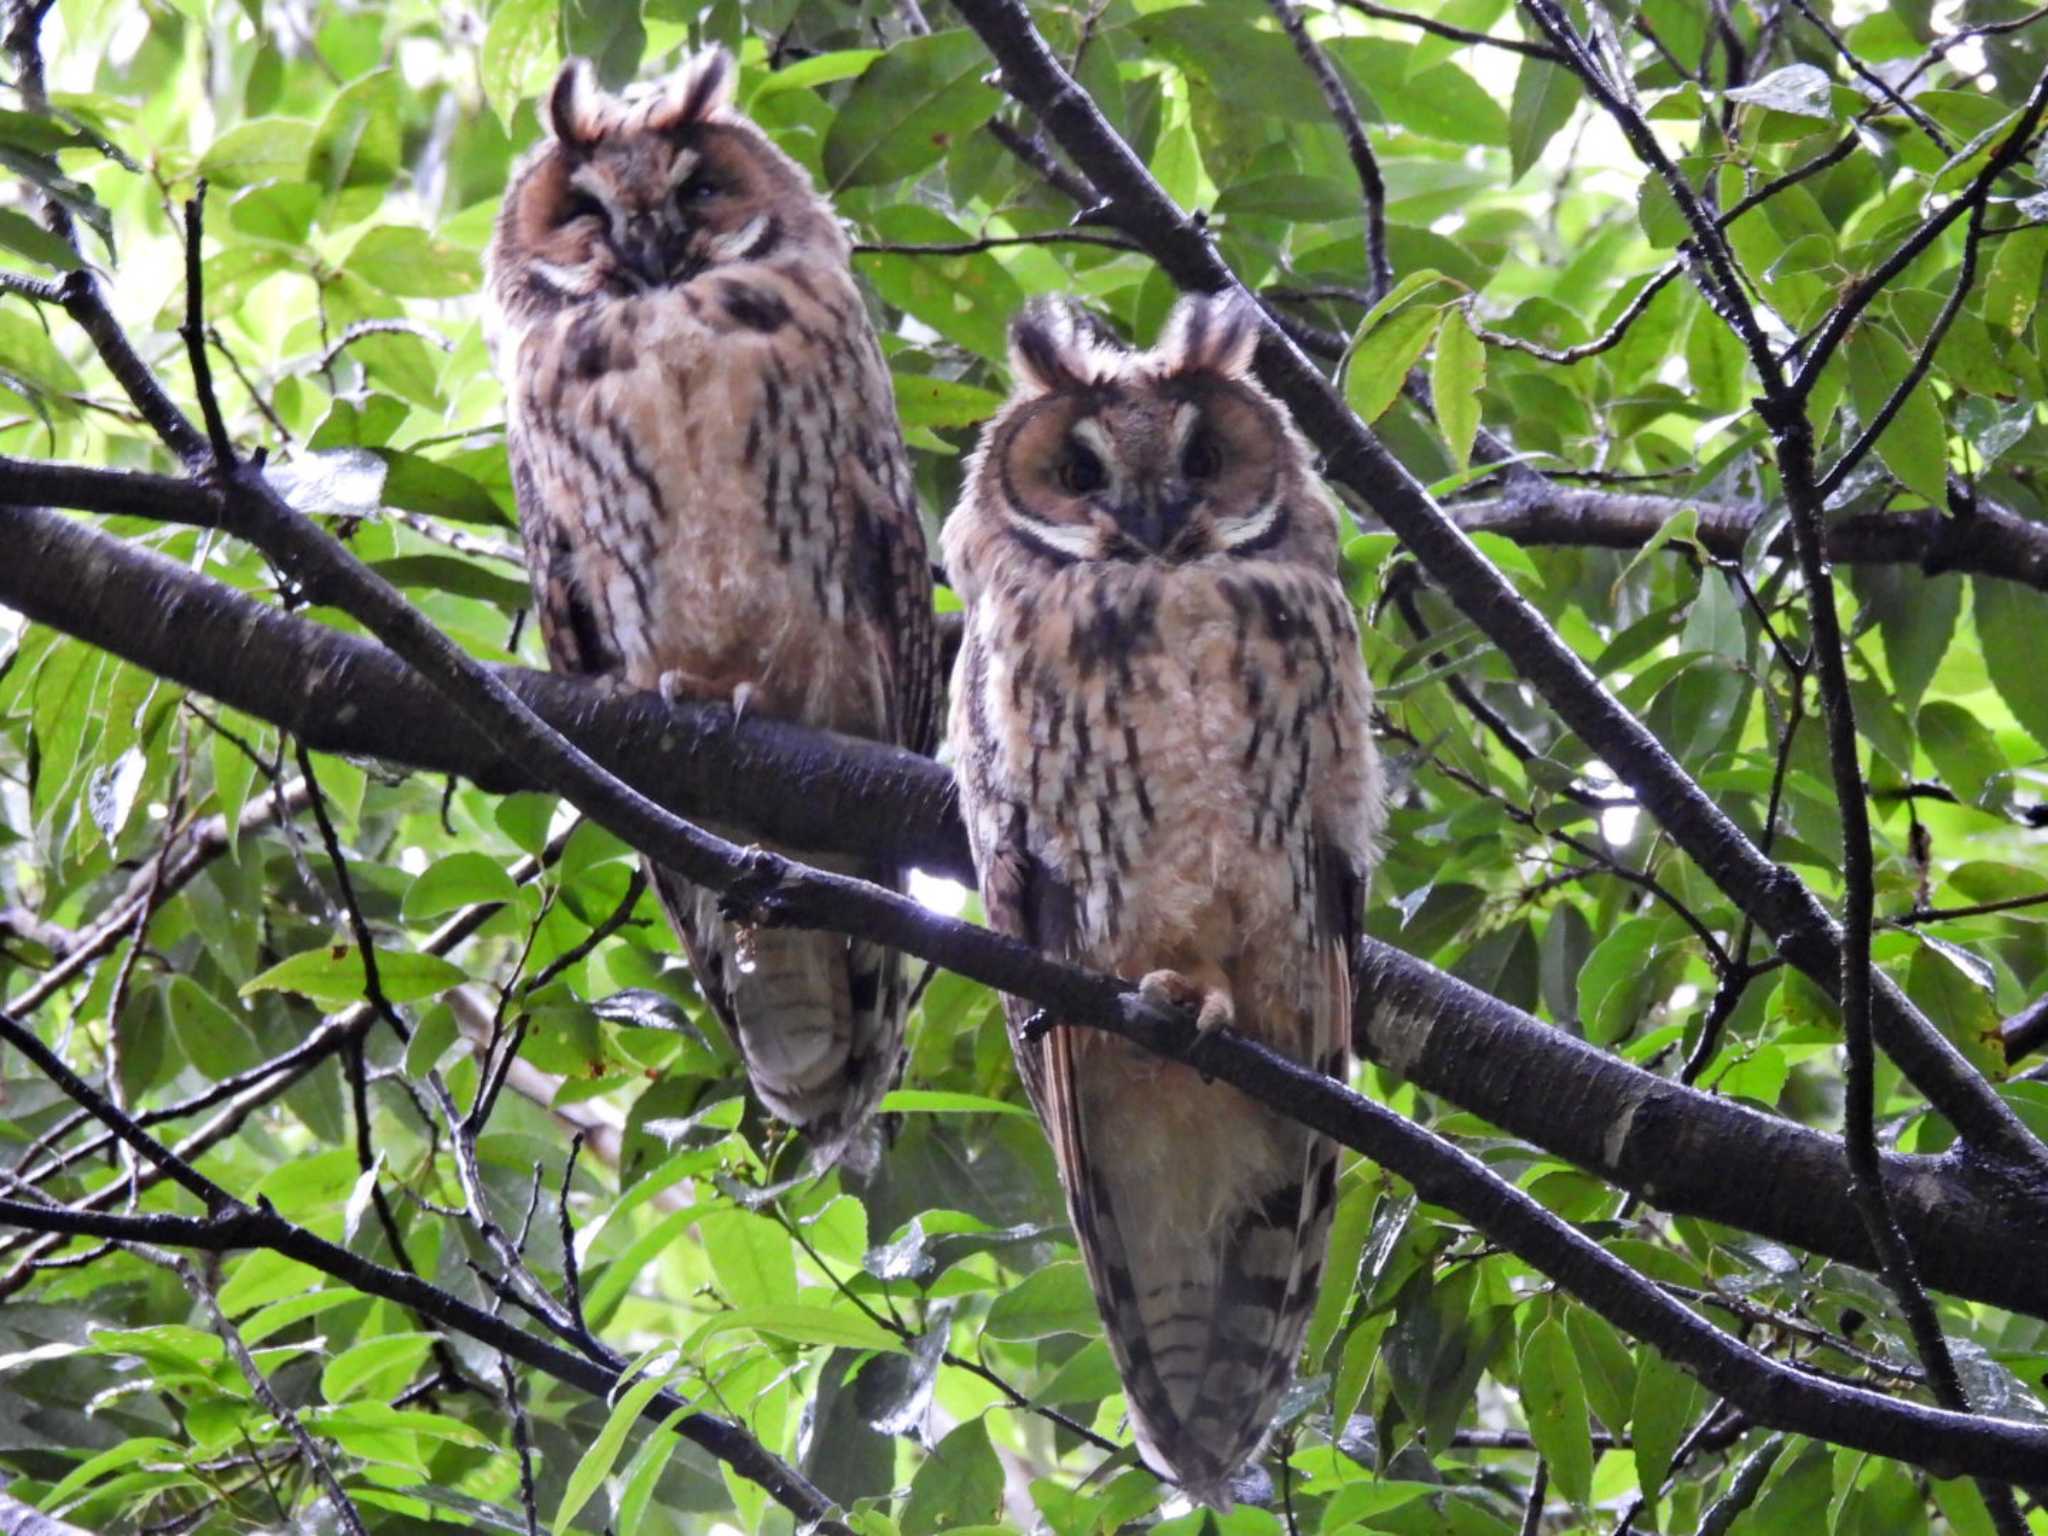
715,500
1160,721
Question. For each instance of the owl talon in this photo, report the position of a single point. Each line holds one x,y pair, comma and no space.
1213,1007
742,693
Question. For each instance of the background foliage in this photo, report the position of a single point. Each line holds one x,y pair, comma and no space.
921,1341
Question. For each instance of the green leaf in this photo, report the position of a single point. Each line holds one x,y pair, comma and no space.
262,149
1802,89
1055,1299
1457,375
1442,102
2012,622
1667,1401
459,880
1915,446
908,107
412,264
1955,992
968,300
1965,754
395,1354
831,1327
360,142
924,401
334,974
1544,100
23,235
1615,981
1607,1367
752,1257
519,55
595,1464
1382,355
1916,619
819,69
1349,1227
91,1470
1554,1402
210,1036
960,1484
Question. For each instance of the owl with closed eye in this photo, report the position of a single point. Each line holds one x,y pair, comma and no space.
715,501
1159,719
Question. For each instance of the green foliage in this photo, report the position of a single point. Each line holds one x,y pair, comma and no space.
921,1341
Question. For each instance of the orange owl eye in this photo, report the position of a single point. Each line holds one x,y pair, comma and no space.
1201,460
1082,471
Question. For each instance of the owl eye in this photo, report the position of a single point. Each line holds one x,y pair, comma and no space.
1082,472
1201,458
696,190
583,206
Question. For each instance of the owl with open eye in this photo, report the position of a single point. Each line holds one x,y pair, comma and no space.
1159,717
715,501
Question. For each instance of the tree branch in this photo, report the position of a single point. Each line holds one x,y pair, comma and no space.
1982,1235
229,1225
1782,904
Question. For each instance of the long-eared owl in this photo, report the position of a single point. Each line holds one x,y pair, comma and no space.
715,500
1160,722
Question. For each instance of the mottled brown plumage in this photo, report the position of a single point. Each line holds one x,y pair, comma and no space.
715,499
1159,717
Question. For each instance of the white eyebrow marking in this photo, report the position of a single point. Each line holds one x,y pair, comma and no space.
1250,528
737,244
683,167
1185,418
1089,431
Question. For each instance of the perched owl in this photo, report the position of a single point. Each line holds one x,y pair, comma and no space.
715,500
1159,717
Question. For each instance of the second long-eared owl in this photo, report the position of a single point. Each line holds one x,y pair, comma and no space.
715,499
1160,722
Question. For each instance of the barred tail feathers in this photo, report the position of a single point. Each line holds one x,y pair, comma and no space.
1205,1252
817,1018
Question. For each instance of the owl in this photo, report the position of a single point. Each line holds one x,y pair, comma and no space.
1159,721
715,501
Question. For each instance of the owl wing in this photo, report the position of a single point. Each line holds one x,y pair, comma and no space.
1206,1325
1026,900
570,624
894,565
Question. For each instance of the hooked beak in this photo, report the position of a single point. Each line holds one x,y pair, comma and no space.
1156,519
641,251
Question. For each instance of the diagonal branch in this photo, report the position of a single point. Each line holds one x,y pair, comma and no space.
1781,904
810,789
230,1224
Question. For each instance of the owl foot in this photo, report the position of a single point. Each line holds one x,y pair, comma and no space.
1213,1007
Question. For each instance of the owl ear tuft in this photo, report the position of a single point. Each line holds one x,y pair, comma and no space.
1211,333
1056,344
575,104
699,92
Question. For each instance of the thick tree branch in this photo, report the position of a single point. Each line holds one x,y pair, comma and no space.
1780,903
1982,1237
1769,1391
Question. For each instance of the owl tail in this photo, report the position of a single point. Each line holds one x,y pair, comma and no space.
818,1018
1205,1269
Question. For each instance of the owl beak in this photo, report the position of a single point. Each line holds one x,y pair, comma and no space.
1156,520
641,251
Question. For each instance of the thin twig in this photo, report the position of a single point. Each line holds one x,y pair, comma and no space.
1372,187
